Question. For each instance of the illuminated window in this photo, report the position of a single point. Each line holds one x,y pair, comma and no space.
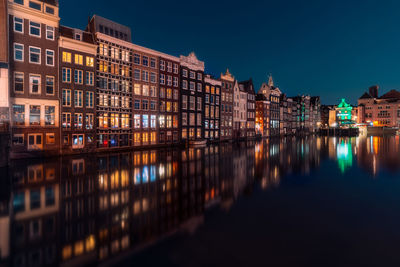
78,59
66,57
50,115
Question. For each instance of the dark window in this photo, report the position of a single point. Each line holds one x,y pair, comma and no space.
137,104
21,2
49,10
34,5
35,199
19,202
50,199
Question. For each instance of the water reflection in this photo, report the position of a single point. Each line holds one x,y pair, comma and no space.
85,210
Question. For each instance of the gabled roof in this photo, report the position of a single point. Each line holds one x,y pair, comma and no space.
69,33
366,96
248,86
393,94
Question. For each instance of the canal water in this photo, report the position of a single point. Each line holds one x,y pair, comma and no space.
314,201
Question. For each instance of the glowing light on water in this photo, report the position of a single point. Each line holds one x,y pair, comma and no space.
344,156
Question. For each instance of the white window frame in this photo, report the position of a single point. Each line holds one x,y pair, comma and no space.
78,36
78,98
30,84
70,97
23,82
47,55
40,29
89,95
162,65
88,75
40,55
54,84
50,29
19,22
70,75
23,52
76,81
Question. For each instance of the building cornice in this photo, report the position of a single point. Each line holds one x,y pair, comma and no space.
72,44
28,13
135,46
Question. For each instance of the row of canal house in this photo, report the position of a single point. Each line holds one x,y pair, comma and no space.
70,90
279,115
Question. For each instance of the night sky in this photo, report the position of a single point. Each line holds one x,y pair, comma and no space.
334,49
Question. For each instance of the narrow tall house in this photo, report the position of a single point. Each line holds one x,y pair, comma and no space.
34,94
113,83
242,111
77,57
226,117
251,108
273,95
212,103
169,95
192,105
145,96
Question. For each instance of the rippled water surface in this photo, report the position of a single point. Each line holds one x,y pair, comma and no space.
289,202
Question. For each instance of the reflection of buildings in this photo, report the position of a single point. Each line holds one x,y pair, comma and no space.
276,158
82,210
377,153
34,214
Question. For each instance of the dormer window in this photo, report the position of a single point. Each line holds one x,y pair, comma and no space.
78,36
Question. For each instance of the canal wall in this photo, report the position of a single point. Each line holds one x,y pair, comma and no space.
4,149
352,132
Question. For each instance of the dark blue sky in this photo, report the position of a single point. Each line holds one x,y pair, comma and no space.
333,49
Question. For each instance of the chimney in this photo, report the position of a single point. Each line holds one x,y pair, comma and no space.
373,91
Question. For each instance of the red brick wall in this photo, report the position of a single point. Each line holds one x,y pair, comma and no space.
3,31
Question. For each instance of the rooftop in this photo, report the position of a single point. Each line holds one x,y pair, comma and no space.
393,94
